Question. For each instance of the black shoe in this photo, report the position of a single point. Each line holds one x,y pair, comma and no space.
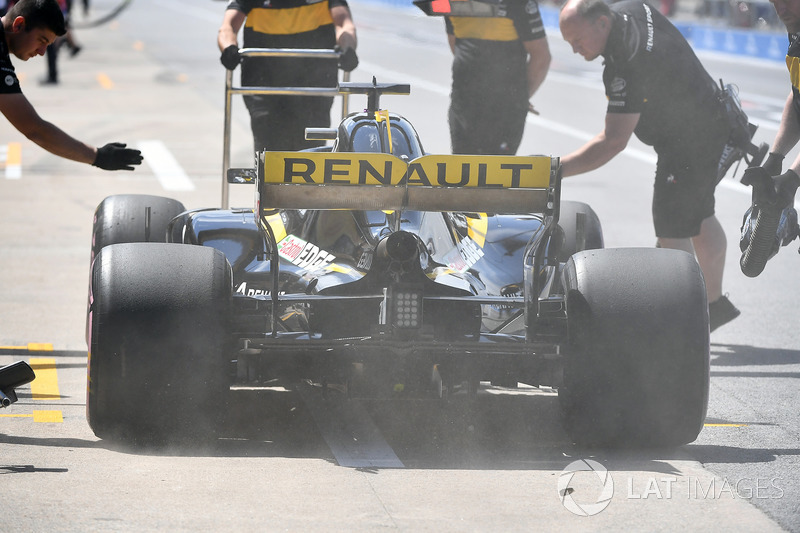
721,312
48,81
75,50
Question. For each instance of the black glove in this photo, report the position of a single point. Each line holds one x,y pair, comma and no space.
114,156
773,164
786,186
230,57
348,60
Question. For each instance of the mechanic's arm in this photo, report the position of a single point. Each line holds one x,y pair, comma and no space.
345,29
787,137
21,114
603,148
231,24
538,63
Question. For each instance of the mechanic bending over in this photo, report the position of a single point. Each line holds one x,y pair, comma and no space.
498,64
658,89
279,122
27,29
786,184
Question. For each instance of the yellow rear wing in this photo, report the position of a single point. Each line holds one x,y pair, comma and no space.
377,181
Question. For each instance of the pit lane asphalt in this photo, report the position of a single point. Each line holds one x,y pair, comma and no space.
494,466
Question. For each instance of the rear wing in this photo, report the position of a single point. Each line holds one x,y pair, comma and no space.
377,181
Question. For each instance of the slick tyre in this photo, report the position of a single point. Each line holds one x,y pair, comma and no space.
159,328
132,218
636,370
582,229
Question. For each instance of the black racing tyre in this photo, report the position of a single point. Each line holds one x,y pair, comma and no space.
159,332
763,243
582,229
636,368
124,218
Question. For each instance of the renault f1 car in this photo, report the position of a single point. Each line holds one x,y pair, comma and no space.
390,272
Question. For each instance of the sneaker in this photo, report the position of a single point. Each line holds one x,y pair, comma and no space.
721,312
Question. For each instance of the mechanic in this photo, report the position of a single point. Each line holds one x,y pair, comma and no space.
658,89
788,135
27,29
498,64
278,122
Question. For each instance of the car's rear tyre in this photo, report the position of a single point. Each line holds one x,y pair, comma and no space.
157,359
129,218
636,371
582,229
132,218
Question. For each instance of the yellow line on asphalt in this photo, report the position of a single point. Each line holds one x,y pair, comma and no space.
48,417
41,417
725,425
104,81
31,347
45,386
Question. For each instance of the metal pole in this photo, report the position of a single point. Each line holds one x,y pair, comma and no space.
226,137
298,91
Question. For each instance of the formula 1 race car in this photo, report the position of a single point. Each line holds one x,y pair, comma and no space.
389,272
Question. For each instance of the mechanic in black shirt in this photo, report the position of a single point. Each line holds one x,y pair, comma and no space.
659,90
499,63
27,29
279,122
786,184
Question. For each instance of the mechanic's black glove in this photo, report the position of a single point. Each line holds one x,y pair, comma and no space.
114,156
230,57
786,186
348,60
773,164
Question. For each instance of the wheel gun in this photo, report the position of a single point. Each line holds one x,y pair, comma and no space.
13,376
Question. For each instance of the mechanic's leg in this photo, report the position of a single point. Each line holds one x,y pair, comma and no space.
709,247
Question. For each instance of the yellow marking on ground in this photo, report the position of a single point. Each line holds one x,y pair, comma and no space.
14,154
48,417
725,425
45,386
183,78
13,161
40,347
104,81
31,347
45,417
138,46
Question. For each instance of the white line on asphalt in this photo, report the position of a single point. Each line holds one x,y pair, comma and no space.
349,431
165,166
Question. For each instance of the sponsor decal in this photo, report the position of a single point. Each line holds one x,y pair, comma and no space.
365,261
463,256
9,80
304,254
617,85
532,7
388,170
649,16
242,289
